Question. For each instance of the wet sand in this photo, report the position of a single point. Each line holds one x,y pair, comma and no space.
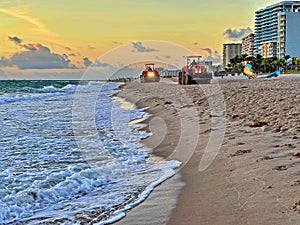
254,178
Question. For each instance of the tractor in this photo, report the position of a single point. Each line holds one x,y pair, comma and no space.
149,74
195,72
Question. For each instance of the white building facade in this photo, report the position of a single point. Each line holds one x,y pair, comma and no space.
278,23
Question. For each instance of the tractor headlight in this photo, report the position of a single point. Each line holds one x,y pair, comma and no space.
151,74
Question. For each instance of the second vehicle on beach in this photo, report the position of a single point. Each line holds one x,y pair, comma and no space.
195,71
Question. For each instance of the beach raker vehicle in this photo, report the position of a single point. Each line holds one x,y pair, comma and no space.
195,72
149,74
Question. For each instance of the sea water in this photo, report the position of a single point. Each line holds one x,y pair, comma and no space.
67,164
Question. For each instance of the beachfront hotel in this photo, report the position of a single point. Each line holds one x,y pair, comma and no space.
248,45
277,30
230,51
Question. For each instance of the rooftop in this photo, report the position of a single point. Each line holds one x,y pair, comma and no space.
277,4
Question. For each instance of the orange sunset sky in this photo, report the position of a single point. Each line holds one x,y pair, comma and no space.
74,33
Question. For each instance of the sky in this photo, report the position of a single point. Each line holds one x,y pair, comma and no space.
73,34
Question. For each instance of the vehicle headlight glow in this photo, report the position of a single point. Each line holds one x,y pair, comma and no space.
151,74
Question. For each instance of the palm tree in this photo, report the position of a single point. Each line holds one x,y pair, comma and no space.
283,63
273,62
243,58
232,62
287,57
257,62
265,64
294,61
239,68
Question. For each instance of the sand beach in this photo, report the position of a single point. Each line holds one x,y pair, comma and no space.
251,177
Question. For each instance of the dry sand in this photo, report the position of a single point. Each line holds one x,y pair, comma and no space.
254,178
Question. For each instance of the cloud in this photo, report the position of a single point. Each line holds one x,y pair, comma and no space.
27,47
15,39
23,16
40,58
213,56
87,62
37,25
158,58
117,42
91,47
217,54
138,47
5,62
207,50
36,48
235,34
102,64
36,56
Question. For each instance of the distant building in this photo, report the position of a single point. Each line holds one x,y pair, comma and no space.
248,46
230,51
278,23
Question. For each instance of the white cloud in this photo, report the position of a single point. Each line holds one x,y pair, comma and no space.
138,47
23,16
236,34
35,56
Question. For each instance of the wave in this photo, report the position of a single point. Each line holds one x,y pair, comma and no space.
46,177
21,86
34,90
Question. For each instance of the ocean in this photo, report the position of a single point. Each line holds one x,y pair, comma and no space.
71,154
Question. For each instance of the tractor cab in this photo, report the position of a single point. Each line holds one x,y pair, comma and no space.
195,65
149,67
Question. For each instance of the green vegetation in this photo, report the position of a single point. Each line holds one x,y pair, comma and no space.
264,65
292,72
295,61
259,64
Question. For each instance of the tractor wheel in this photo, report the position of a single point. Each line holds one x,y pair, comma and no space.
180,78
186,80
183,80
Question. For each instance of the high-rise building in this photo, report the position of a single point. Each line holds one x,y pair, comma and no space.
248,45
289,34
278,23
230,51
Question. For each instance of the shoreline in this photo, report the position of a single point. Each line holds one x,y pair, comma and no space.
163,199
167,190
244,175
